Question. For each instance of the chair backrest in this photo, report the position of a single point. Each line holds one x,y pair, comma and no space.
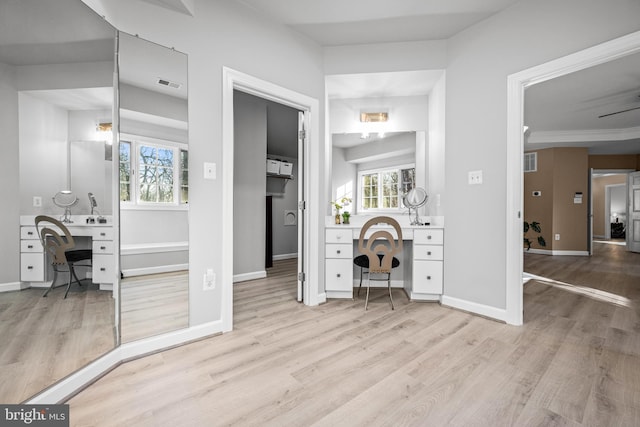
54,243
380,242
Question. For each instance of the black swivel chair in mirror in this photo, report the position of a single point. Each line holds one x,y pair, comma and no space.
378,252
61,252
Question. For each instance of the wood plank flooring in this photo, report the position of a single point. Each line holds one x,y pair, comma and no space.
42,340
575,362
154,304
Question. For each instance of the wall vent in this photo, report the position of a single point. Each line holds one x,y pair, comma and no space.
168,83
530,162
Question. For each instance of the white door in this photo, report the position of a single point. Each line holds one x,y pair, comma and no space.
633,212
302,139
590,213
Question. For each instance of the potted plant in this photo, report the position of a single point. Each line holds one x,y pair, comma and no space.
345,217
535,226
339,204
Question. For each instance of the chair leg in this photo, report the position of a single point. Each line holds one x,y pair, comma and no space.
55,276
72,271
360,286
71,274
366,301
389,286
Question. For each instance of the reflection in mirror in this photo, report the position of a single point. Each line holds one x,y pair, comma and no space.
57,75
360,163
153,160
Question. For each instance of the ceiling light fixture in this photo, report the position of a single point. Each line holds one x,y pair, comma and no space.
104,132
374,117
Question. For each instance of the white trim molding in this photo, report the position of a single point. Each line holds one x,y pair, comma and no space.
516,84
580,136
131,272
285,256
13,286
557,252
70,385
475,308
249,276
153,248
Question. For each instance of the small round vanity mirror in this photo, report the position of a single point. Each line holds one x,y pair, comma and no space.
65,199
414,199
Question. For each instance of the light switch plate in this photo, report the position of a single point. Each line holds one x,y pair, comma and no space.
209,170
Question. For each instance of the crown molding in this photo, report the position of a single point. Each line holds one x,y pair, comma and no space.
546,137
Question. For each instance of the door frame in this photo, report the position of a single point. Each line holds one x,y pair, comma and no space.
236,80
516,85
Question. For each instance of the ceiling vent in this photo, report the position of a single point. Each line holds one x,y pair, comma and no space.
168,83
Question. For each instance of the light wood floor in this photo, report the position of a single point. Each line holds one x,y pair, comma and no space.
575,362
153,304
42,340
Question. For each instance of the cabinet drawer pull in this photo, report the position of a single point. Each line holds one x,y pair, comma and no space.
103,234
338,275
103,248
428,277
30,267
429,253
29,246
103,269
429,237
29,233
338,251
338,237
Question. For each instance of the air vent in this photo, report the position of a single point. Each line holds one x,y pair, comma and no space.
168,83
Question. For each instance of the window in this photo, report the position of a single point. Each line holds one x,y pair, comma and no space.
530,162
382,189
148,172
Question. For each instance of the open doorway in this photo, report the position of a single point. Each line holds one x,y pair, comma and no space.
617,49
266,194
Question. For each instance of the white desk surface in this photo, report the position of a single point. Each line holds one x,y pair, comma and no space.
78,220
357,221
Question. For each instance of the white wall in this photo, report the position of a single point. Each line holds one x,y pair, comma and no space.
9,172
249,184
220,34
43,133
479,61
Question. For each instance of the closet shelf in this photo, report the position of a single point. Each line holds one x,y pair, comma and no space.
277,175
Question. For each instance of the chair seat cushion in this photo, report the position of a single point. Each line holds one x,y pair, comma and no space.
363,261
78,255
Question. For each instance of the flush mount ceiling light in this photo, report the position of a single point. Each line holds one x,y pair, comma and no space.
374,117
103,132
104,127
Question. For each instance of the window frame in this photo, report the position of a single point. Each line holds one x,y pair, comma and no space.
135,203
398,169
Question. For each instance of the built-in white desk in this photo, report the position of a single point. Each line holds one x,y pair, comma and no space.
33,262
422,257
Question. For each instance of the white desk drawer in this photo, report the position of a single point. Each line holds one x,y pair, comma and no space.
429,237
427,277
335,235
102,270
102,246
32,267
103,233
339,251
428,252
31,246
338,275
29,232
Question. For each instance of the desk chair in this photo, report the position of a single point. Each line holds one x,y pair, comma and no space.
378,252
60,250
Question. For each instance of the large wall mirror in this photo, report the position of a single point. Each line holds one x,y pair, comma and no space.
153,188
57,62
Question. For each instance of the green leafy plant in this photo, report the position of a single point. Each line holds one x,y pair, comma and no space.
345,217
339,204
535,226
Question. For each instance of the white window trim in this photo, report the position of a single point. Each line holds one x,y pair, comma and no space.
135,204
359,190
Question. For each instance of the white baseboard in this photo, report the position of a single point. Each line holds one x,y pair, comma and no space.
13,286
70,385
153,248
249,276
475,308
131,272
552,252
285,256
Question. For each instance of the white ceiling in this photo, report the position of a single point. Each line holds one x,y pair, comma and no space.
339,22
